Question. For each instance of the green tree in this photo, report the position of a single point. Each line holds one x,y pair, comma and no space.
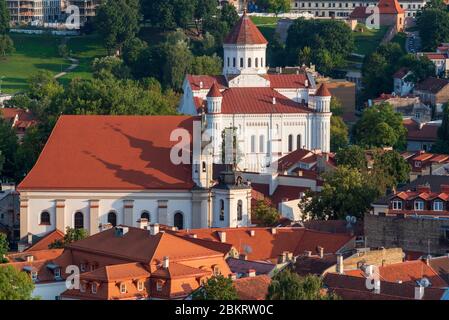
266,214
4,18
346,191
216,288
210,65
8,148
433,26
392,167
278,6
71,235
117,22
63,51
339,130
4,247
15,284
442,144
6,45
380,126
112,65
178,61
352,156
288,285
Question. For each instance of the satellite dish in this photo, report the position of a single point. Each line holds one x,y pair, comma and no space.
424,282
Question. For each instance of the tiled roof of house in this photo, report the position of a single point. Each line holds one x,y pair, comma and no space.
214,91
177,270
316,265
291,159
287,80
111,153
359,13
426,132
25,119
435,56
205,82
409,272
441,266
243,266
258,101
118,272
389,7
46,241
401,73
433,85
252,288
323,91
245,32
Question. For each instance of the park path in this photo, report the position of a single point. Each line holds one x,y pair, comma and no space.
74,65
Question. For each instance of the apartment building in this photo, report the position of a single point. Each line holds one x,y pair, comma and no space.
343,8
87,8
26,11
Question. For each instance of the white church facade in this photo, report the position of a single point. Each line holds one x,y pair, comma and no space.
97,171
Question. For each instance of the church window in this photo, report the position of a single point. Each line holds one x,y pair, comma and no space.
241,62
145,215
298,141
261,143
257,62
112,218
240,210
228,62
178,221
261,62
253,144
45,218
222,210
290,143
79,220
233,62
249,62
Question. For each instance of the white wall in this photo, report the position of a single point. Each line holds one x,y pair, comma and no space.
49,291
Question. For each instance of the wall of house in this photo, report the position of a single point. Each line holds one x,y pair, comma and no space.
49,291
413,234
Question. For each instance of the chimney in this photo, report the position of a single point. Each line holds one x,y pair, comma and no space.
154,229
121,231
306,83
274,100
166,262
201,84
143,223
233,276
321,252
222,236
106,226
340,267
377,286
274,230
252,233
251,273
419,292
30,258
243,256
193,235
30,238
308,253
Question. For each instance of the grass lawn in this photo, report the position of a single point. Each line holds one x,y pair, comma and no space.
368,40
40,52
266,25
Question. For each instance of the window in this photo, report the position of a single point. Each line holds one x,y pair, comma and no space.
122,288
112,218
203,166
418,164
397,205
222,210
94,288
253,144
290,143
83,267
419,205
241,62
159,285
45,218
257,62
240,210
34,275
228,62
145,215
298,141
79,220
178,220
438,205
249,62
261,62
233,62
140,285
57,273
261,143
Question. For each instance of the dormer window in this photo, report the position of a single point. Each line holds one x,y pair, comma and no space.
94,288
438,205
418,164
396,205
419,205
57,273
159,285
82,267
123,288
140,285
34,276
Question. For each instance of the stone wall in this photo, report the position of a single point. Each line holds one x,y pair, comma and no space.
408,233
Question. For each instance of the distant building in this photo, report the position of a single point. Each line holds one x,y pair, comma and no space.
19,119
434,92
87,8
391,14
402,85
26,11
421,136
9,211
440,60
424,164
408,106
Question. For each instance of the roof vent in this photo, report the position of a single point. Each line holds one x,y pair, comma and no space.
201,84
121,231
222,236
252,233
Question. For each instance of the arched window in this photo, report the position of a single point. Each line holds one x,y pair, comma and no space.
253,143
79,220
112,218
204,166
145,215
222,210
241,62
233,62
249,62
290,143
240,210
261,143
178,220
228,62
257,62
261,62
45,218
298,141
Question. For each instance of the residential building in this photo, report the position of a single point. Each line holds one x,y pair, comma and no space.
19,119
402,84
409,106
440,60
434,92
9,211
26,11
421,136
424,164
414,218
87,8
391,14
252,287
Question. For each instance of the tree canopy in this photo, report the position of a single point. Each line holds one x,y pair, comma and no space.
442,144
4,247
266,214
433,24
71,235
4,18
216,288
15,284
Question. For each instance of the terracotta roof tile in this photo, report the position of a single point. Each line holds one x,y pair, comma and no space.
252,288
111,153
433,85
245,32
118,272
214,91
206,81
323,91
428,132
359,13
177,270
44,242
389,7
287,81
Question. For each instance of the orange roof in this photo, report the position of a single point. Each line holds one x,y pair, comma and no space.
408,272
291,159
428,132
214,92
111,153
323,91
46,254
245,32
389,7
252,288
177,270
45,242
287,80
119,272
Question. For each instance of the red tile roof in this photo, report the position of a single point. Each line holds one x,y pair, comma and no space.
359,13
176,270
287,80
111,153
44,242
323,91
292,159
214,91
428,132
245,32
433,85
435,56
258,101
252,288
25,119
389,7
118,272
207,81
